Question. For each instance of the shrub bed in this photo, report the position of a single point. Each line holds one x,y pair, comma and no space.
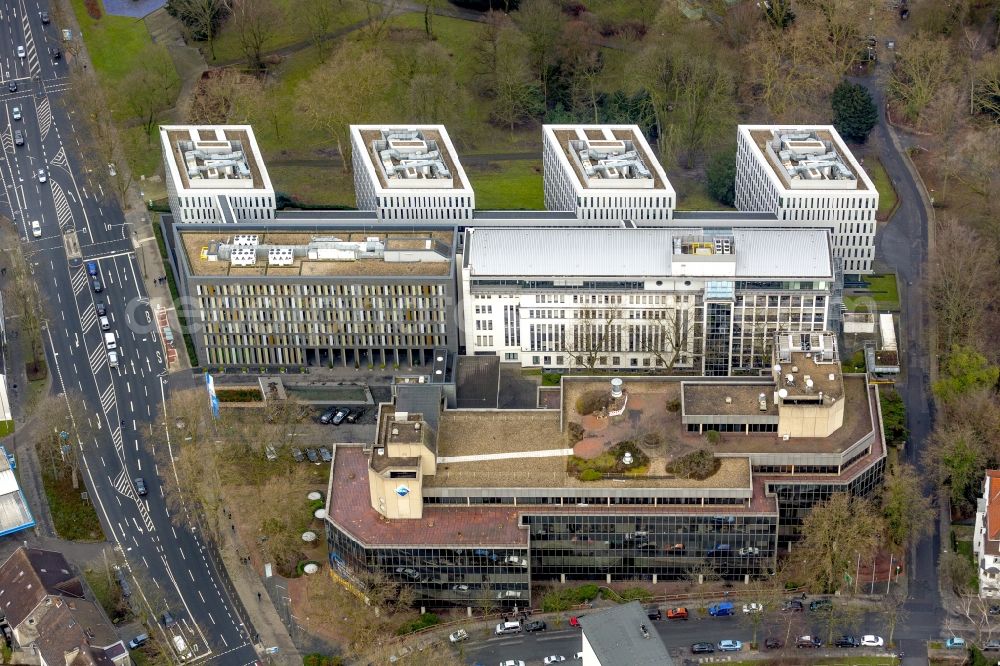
610,462
565,598
699,464
592,401
239,395
420,622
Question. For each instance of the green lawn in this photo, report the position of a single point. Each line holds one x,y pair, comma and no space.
290,29
692,194
6,427
73,517
881,288
964,548
508,185
886,192
115,43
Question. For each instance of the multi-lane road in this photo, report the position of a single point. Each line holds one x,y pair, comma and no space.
174,569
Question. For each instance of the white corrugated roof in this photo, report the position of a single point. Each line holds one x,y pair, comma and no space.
782,253
638,253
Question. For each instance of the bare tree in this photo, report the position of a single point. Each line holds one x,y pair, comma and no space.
892,610
256,22
201,18
964,263
25,298
150,89
541,22
318,15
225,96
516,98
486,50
672,339
595,332
322,102
923,65
835,532
907,510
378,13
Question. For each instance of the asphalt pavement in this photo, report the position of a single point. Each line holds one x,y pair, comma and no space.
119,402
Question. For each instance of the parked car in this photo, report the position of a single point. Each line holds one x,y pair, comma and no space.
297,455
808,642
702,648
339,417
721,609
654,613
355,415
15,113
749,551
773,644
137,641
140,486
955,643
847,642
677,614
460,587
792,606
820,604
535,625
325,454
753,608
730,646
992,645
312,455
512,662
167,619
327,415
102,309
554,659
113,359
870,640
459,636
575,621
123,582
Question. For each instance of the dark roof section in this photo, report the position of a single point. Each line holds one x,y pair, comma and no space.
28,575
422,399
616,637
227,210
63,638
728,216
477,382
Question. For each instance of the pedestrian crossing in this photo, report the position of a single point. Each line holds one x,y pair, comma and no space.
44,111
63,211
87,319
97,358
78,281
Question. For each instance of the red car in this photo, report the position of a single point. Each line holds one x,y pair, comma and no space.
575,621
677,614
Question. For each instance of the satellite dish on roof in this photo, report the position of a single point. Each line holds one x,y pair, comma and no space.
782,393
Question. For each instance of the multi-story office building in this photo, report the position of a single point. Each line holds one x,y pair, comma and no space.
808,177
445,503
660,299
604,172
319,293
215,173
409,173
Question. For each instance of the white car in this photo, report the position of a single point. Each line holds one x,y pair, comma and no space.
554,659
749,551
870,640
578,656
20,51
459,636
36,229
512,662
753,608
113,359
15,112
41,176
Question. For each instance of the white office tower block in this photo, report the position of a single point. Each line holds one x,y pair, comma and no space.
409,173
215,173
604,172
808,178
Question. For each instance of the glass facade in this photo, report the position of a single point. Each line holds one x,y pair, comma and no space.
589,547
482,576
796,500
718,332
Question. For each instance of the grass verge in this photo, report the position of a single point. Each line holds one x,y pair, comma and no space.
115,43
881,288
73,517
887,198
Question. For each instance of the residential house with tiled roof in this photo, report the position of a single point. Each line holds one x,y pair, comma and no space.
986,541
43,602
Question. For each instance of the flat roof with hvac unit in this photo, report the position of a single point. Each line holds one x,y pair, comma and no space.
607,157
340,252
14,512
806,157
401,158
203,159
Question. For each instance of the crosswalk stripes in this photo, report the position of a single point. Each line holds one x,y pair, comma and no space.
44,112
8,142
63,211
78,281
108,400
33,65
97,358
116,437
124,486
